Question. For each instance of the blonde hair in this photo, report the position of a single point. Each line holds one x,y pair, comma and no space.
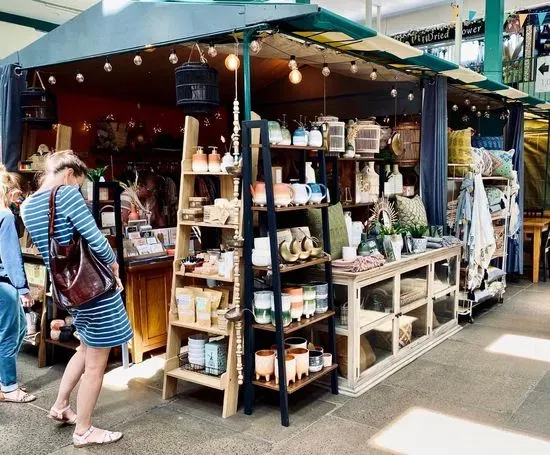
65,159
9,183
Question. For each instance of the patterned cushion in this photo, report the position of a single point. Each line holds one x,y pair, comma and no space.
488,142
411,211
460,151
338,230
502,162
482,161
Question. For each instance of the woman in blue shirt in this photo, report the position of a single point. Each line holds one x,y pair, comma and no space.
102,324
14,294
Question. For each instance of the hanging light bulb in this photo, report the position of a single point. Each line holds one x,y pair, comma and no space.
478,113
292,62
107,67
326,70
473,108
255,46
467,101
79,77
52,80
465,118
455,107
138,60
295,76
232,62
354,68
374,74
173,57
488,107
212,51
410,96
487,114
393,92
386,119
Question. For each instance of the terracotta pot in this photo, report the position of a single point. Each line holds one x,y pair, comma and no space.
134,215
296,302
290,368
302,361
265,366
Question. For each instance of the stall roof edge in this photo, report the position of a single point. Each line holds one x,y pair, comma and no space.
131,30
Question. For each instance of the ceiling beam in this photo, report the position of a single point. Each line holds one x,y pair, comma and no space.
37,24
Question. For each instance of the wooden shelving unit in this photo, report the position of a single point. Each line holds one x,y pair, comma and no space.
291,208
179,331
277,269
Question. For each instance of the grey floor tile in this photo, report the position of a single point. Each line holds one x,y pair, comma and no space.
516,323
532,416
35,378
169,432
544,384
331,435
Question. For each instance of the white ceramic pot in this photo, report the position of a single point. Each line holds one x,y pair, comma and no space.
302,361
315,138
419,245
265,364
262,306
290,367
262,243
261,258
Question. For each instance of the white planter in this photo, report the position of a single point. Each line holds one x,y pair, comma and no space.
419,245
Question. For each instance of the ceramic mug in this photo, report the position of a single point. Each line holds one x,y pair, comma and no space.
302,193
349,253
318,192
327,359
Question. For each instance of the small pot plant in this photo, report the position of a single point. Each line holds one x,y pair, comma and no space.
96,175
418,231
392,239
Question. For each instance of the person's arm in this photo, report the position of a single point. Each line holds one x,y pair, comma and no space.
72,205
11,254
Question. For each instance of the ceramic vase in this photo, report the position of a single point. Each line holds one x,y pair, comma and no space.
259,196
227,161
265,364
358,183
299,137
262,306
283,194
302,361
296,342
374,183
315,136
309,300
297,302
315,361
286,302
397,180
363,248
275,133
321,296
290,369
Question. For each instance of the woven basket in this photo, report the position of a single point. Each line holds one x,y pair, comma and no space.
409,133
384,339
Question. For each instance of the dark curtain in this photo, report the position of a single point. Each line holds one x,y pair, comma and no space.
433,155
11,126
514,140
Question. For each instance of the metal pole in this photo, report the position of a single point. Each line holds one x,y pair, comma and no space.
494,14
246,75
458,32
368,13
379,18
546,169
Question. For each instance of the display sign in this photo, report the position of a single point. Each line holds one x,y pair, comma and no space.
542,82
441,34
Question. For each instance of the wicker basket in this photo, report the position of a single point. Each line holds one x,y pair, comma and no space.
409,134
500,241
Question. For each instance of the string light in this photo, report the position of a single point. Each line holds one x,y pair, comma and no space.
292,62
478,114
107,67
79,77
52,80
255,46
393,92
487,114
465,118
488,107
410,96
212,51
173,57
473,108
232,62
467,101
354,68
138,60
386,119
295,76
374,74
455,107
326,70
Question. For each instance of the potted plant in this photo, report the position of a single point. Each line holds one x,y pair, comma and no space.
418,232
94,176
392,239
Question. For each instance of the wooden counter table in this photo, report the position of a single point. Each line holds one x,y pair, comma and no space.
535,227
148,288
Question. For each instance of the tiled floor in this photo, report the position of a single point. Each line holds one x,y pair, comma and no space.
485,391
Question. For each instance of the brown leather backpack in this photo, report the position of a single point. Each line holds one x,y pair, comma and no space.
77,275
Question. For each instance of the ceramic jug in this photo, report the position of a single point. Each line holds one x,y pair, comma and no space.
199,161
397,180
258,193
275,134
365,185
349,227
283,193
302,193
358,183
318,192
374,183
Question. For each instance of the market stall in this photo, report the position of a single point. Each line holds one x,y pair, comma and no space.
350,120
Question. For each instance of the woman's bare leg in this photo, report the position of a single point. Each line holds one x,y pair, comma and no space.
71,376
95,363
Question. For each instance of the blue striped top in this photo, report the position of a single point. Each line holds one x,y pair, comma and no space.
103,323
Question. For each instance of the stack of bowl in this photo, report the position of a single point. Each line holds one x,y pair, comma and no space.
196,349
261,254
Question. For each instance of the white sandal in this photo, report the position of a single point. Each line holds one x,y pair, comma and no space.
57,415
108,438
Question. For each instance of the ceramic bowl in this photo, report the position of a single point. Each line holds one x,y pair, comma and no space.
198,339
262,243
315,361
296,342
261,258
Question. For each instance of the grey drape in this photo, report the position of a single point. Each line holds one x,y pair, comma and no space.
433,155
514,140
11,86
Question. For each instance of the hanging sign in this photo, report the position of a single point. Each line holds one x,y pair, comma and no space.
542,83
441,34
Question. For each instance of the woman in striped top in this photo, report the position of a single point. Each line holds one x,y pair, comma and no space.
102,324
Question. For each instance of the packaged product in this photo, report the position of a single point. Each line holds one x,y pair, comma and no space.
185,301
215,301
202,309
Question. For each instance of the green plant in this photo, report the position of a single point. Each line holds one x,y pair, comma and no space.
95,175
383,230
418,231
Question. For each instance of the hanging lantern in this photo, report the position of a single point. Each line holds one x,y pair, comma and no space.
478,113
374,74
455,107
473,108
465,118
467,101
487,114
197,89
410,96
79,77
295,76
232,62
